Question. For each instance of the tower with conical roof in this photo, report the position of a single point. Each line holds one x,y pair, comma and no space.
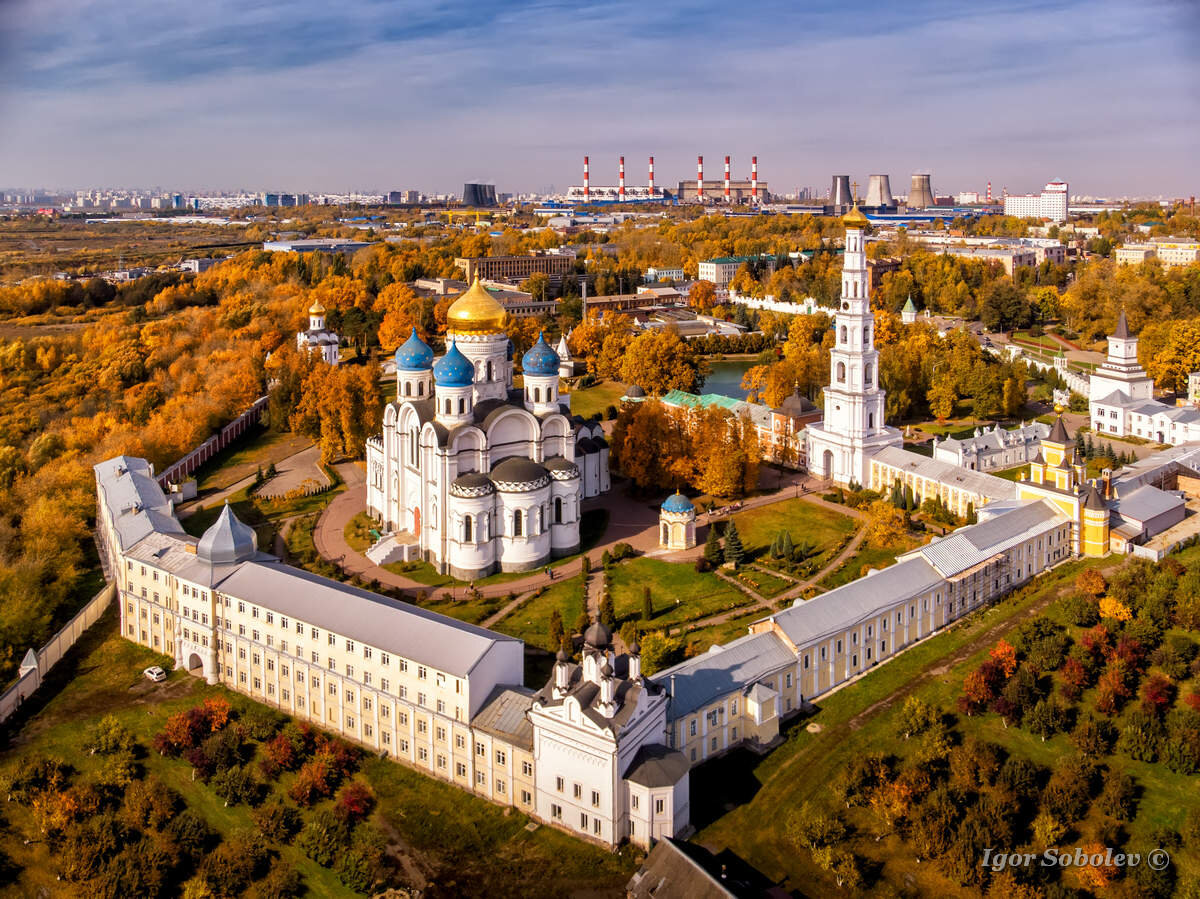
1058,476
1120,384
840,447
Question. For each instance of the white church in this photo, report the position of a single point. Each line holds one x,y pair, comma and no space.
470,474
318,338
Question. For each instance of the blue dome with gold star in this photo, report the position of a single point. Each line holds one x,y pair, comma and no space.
540,359
454,369
414,354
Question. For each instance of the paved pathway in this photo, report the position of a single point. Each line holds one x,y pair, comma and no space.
293,471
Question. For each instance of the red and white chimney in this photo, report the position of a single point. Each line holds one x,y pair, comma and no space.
726,179
586,188
651,183
989,192
621,179
700,178
753,179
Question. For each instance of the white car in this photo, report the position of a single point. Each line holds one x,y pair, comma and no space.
155,674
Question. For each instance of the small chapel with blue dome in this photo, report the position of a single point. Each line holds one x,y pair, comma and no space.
470,473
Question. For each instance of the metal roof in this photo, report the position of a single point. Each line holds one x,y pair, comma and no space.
503,715
857,601
969,546
654,765
439,641
723,669
947,474
1145,503
136,503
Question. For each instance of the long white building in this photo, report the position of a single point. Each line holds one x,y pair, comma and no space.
1052,203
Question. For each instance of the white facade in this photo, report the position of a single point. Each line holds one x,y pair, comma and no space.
1121,398
990,449
319,339
840,446
472,475
1051,203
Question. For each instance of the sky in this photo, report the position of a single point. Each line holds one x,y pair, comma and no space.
312,95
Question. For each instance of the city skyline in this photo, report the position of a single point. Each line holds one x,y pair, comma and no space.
377,95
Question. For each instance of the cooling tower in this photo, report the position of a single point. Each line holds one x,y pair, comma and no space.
920,195
476,194
839,192
879,191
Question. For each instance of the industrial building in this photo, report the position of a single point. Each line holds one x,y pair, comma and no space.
476,194
920,192
314,245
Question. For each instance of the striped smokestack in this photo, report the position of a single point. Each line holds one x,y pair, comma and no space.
621,179
586,190
989,192
651,184
700,178
754,179
726,179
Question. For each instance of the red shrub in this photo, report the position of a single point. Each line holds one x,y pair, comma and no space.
355,801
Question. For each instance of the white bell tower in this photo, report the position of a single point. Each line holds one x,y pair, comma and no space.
840,447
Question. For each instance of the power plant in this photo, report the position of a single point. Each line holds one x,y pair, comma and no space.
879,192
751,191
477,194
920,194
839,194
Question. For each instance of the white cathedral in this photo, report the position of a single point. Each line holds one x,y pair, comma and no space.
840,447
470,474
318,338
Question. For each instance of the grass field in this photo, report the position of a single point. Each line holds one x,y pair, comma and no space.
531,620
733,797
464,845
823,528
1011,474
763,583
264,515
677,591
594,400
358,532
866,557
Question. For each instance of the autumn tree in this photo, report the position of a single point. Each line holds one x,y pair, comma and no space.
885,524
659,361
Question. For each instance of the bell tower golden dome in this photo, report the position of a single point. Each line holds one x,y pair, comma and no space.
476,312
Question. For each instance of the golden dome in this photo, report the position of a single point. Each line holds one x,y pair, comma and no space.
855,219
316,308
475,311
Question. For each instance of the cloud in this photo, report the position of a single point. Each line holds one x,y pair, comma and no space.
311,95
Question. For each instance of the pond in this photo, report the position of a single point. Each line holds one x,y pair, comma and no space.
726,377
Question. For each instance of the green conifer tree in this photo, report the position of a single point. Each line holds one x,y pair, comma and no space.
712,547
647,604
735,553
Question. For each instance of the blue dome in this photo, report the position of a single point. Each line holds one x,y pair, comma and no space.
454,369
414,355
677,502
541,359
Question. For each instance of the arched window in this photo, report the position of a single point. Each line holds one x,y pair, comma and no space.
843,340
420,388
537,394
462,405
666,533
541,521
558,510
867,336
467,529
841,372
871,420
449,405
489,370
408,388
867,375
517,523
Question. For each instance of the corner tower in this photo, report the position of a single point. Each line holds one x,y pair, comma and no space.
840,447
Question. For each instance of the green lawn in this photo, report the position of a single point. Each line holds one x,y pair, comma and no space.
358,532
823,528
678,592
255,450
531,620
699,639
762,583
466,845
1011,474
866,557
264,515
594,400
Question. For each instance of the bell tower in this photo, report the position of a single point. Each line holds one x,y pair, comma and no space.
839,448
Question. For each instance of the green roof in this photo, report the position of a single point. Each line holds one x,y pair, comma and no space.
702,400
726,260
908,306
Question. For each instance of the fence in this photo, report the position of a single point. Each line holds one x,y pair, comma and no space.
37,665
213,445
1076,381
